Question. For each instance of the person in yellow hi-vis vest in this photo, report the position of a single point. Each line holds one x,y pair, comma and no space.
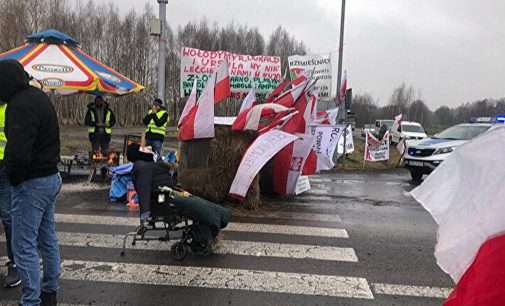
99,119
156,122
12,279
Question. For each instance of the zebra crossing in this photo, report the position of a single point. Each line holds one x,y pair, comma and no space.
242,266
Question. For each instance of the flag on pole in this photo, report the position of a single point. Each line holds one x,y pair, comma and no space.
327,117
256,156
465,198
249,101
199,122
289,98
342,90
222,87
190,103
250,118
278,90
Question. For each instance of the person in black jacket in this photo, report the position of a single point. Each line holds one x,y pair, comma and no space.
31,158
99,119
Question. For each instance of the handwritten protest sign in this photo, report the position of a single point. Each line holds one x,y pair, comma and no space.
261,71
323,68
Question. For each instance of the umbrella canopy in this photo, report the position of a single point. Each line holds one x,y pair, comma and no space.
56,61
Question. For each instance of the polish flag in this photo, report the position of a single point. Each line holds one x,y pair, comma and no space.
327,117
222,87
250,119
342,90
190,103
199,123
289,98
465,198
290,162
249,101
277,91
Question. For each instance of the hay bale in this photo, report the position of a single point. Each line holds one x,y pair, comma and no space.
207,166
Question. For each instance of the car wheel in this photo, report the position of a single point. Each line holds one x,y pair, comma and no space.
416,175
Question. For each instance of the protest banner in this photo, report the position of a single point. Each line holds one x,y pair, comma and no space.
349,142
325,144
256,156
246,71
375,149
302,185
323,66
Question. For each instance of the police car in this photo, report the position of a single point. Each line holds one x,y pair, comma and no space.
424,156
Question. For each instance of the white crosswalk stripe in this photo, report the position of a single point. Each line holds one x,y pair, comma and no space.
219,278
238,227
227,247
414,291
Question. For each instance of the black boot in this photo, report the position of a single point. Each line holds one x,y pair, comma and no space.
48,299
12,279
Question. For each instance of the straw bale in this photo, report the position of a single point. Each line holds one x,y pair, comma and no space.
207,166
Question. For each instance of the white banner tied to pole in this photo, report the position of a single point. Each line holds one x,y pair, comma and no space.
324,67
261,72
349,142
325,144
259,153
376,150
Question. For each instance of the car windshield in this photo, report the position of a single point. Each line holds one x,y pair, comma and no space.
412,128
462,132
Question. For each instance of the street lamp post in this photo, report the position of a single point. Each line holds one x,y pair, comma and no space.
341,114
162,49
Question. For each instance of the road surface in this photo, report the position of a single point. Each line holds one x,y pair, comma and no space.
355,239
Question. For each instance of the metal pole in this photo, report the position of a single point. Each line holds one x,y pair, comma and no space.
341,115
162,51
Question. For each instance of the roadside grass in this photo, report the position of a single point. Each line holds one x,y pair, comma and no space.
354,161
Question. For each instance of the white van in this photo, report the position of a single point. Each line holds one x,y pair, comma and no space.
407,130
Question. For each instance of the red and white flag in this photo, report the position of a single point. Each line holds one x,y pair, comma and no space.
256,156
465,198
199,123
289,98
278,90
327,116
342,90
289,164
250,119
222,87
249,101
190,103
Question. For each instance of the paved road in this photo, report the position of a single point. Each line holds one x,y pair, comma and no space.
354,239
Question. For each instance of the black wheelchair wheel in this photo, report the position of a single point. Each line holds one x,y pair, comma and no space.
179,251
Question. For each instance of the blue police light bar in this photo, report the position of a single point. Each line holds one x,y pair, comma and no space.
500,118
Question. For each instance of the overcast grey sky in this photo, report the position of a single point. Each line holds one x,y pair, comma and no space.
452,51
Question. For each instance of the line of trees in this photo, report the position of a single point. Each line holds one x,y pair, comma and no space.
123,43
405,100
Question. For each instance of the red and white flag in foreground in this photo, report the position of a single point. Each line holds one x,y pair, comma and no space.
222,87
190,103
327,117
465,197
278,90
256,156
199,123
289,98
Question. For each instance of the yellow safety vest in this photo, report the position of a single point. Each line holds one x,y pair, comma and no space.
3,137
153,128
108,130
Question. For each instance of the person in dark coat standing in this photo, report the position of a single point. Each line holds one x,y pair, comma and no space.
31,160
99,119
156,122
